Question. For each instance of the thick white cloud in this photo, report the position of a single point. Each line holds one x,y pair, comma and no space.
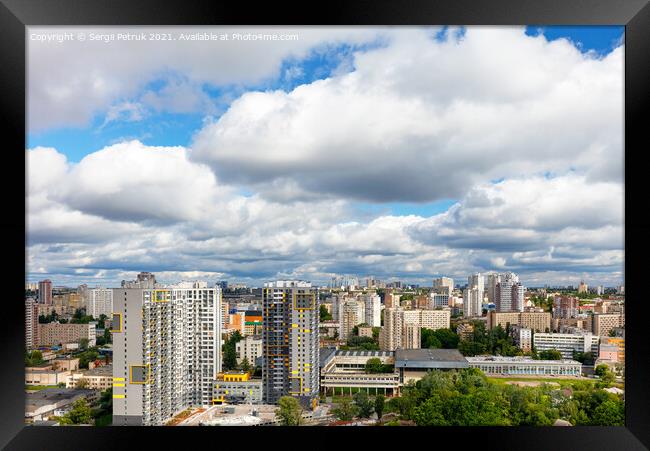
71,81
540,224
421,120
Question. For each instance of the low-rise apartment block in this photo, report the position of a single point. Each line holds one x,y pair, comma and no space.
567,343
51,334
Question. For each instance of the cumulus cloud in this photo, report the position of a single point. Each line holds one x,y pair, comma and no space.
422,120
70,82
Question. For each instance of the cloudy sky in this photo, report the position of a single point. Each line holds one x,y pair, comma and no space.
402,153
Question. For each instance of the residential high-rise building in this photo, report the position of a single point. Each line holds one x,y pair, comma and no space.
100,302
472,302
166,351
492,280
45,292
509,294
372,303
31,323
143,280
443,285
352,313
565,307
290,342
399,327
583,288
477,281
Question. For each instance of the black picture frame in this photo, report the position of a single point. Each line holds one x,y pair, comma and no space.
15,15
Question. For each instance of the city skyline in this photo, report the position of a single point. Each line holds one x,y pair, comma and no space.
291,162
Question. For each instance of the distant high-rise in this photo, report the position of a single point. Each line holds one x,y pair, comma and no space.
583,288
443,285
472,302
143,280
45,292
476,281
31,323
290,342
166,351
509,294
492,280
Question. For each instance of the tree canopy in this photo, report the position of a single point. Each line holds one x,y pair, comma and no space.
468,398
289,411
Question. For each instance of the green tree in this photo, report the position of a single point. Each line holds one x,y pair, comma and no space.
550,354
230,352
245,366
380,401
374,365
448,338
79,414
34,358
289,411
609,413
363,404
345,410
83,344
101,322
429,339
324,314
601,370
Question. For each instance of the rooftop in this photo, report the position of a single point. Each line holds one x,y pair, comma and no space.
519,359
36,400
429,358
368,354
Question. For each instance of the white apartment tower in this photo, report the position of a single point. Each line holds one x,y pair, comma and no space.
166,351
352,313
373,309
99,302
472,302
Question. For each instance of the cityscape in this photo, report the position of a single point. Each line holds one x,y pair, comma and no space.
325,226
358,351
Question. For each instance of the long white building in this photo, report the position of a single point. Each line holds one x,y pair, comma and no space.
515,366
566,343
166,351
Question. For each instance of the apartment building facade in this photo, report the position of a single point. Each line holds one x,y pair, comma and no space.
290,342
166,351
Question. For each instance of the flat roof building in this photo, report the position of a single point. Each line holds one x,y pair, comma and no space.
413,364
524,366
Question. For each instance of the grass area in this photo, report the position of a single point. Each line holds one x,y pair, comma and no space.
39,387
